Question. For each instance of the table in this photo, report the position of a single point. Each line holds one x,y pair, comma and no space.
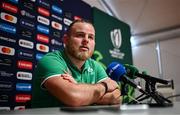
103,110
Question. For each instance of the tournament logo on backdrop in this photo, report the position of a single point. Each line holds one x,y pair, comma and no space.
116,40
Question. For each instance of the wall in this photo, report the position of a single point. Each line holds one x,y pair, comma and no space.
31,28
170,51
145,58
95,3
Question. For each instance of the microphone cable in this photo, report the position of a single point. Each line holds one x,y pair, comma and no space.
172,96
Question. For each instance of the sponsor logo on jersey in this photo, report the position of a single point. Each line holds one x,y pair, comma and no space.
27,24
26,54
7,28
23,87
27,14
22,64
42,47
8,17
6,86
7,50
43,29
39,56
26,44
7,39
43,20
56,9
6,74
43,11
21,98
56,25
42,38
44,3
9,7
67,21
24,75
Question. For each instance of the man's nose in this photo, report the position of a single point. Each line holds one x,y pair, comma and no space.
86,39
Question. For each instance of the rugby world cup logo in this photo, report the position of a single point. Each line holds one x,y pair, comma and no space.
116,38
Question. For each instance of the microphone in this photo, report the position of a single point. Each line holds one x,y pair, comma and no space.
133,71
117,72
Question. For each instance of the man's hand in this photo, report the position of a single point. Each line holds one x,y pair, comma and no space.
111,98
113,95
111,84
68,77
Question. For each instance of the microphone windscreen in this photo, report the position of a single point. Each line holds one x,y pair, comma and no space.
115,71
131,71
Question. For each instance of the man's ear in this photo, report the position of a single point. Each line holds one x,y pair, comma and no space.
65,38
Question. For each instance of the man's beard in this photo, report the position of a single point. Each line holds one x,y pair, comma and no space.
74,52
83,55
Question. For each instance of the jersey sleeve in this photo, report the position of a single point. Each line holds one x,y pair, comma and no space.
101,73
49,66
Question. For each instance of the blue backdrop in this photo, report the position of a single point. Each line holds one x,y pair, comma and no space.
28,30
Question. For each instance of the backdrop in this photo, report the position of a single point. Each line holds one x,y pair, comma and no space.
31,28
113,44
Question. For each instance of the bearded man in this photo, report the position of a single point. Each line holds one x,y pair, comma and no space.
70,77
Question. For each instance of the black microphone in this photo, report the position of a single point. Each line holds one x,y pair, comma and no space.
117,72
133,71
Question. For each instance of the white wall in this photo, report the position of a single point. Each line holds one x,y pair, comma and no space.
145,58
170,51
95,3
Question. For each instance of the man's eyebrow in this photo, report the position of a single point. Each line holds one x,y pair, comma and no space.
80,32
92,35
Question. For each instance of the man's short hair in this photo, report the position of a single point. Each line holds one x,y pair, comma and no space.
68,32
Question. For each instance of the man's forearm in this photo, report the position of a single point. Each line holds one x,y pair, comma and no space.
113,97
97,93
86,94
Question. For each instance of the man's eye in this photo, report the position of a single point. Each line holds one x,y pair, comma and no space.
91,37
79,35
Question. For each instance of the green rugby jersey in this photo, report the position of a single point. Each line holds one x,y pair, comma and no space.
56,63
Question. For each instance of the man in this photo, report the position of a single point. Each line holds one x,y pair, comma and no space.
70,77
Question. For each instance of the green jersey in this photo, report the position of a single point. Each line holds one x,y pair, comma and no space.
57,63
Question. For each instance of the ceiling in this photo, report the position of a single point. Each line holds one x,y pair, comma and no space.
145,17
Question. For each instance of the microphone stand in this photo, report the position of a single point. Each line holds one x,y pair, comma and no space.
160,100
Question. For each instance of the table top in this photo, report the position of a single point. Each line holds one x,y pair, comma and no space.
100,110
